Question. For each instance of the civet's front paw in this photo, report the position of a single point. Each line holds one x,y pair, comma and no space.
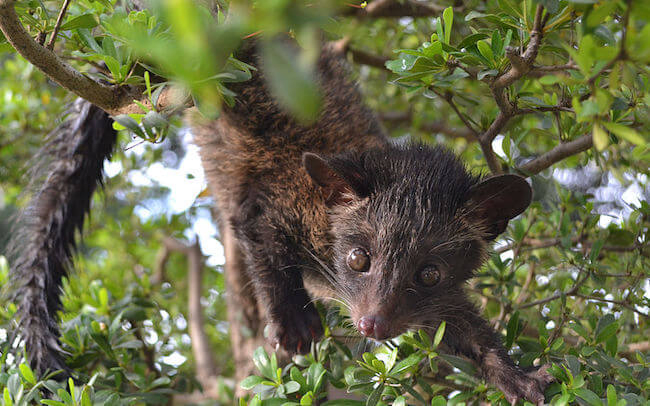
295,328
525,386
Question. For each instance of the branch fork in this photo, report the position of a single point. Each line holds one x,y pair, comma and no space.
113,99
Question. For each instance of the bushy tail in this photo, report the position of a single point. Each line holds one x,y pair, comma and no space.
64,180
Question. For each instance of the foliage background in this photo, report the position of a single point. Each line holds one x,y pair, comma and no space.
567,285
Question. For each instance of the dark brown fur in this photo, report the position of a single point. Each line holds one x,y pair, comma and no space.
68,170
296,217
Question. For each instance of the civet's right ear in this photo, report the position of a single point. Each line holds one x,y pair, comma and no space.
496,200
337,190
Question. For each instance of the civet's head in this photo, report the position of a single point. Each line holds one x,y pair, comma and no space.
410,225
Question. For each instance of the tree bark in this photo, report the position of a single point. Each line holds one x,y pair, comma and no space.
244,314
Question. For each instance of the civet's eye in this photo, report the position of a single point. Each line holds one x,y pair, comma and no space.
358,260
429,276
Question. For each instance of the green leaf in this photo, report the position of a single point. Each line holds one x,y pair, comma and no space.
408,363
65,396
511,7
375,396
627,133
600,137
250,382
471,40
611,395
85,396
607,332
27,373
307,399
6,396
448,18
390,362
512,330
50,402
484,73
474,14
620,237
114,66
497,44
459,363
291,387
424,337
595,249
399,401
485,50
128,122
438,401
291,82
588,396
89,40
73,389
434,49
82,21
439,334
263,364
600,13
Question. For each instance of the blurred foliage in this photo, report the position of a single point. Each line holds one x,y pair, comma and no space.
568,284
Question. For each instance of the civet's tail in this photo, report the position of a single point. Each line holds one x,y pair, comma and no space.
68,171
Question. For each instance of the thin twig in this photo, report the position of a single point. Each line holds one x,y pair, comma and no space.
557,154
544,109
57,25
366,58
570,292
554,68
342,47
147,351
448,97
206,368
530,276
536,243
521,64
616,302
395,118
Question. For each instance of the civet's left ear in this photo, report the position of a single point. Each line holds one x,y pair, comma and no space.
496,200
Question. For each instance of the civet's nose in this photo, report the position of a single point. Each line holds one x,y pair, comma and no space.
373,327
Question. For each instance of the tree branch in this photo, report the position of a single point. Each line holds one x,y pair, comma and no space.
491,158
614,302
148,352
547,69
448,97
570,292
544,109
521,64
366,58
396,9
206,369
536,243
557,154
112,99
57,25
342,46
438,126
